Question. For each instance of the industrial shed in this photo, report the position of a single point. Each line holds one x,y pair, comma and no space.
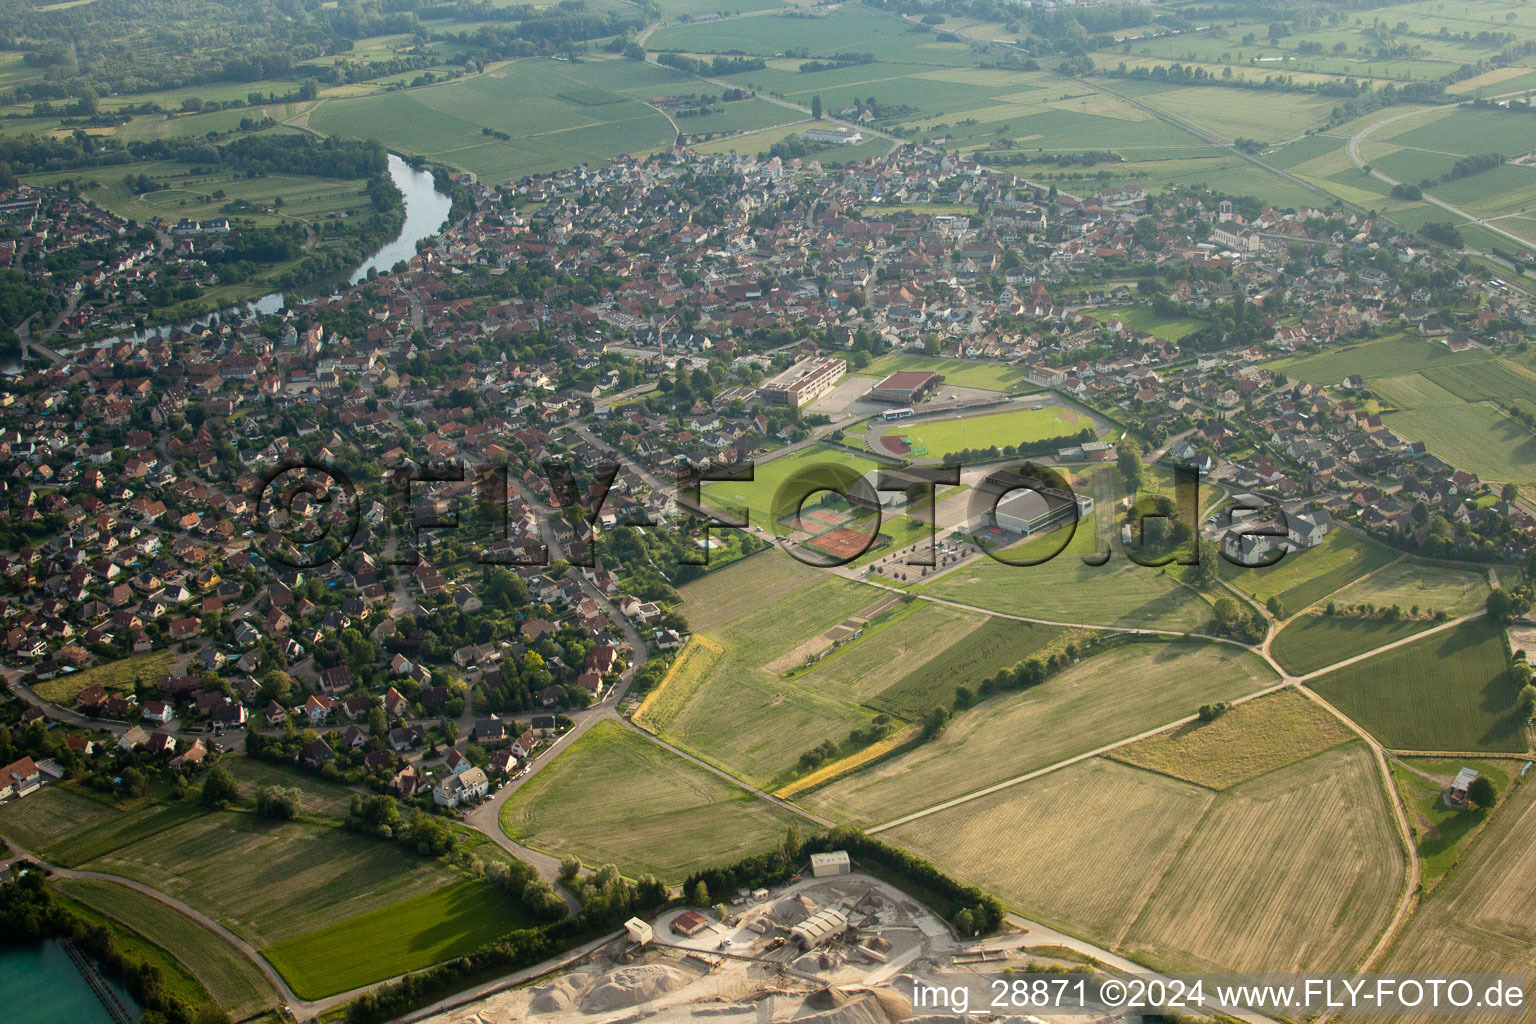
818,928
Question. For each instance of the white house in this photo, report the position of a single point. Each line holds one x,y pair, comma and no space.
467,785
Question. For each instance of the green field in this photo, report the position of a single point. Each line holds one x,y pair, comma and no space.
757,495
232,980
50,815
911,641
967,373
404,936
1478,438
1384,357
1246,741
1409,585
1443,833
1064,589
1108,696
116,676
615,797
268,881
1302,578
1311,642
741,713
1450,691
979,653
559,114
940,437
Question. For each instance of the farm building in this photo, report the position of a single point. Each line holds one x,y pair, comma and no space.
905,387
689,923
639,931
818,928
1457,797
834,863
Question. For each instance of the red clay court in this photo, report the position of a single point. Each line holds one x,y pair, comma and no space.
842,543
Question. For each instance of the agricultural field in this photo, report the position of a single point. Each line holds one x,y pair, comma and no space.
1302,578
976,655
1064,589
742,714
940,437
266,200
115,676
1107,697
1383,357
558,113
233,981
966,373
49,816
268,881
717,599
320,797
1503,381
1311,642
1478,920
1409,584
1028,844
1294,869
1478,438
1450,691
1143,320
1441,833
860,671
1298,870
1243,743
405,936
616,797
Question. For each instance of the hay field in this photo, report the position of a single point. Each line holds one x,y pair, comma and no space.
1106,697
616,797
1243,743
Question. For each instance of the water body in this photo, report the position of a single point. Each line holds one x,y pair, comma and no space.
39,985
426,210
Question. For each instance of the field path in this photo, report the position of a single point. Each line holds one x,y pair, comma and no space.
244,948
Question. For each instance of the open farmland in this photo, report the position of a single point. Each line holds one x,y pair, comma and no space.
940,437
745,716
1302,578
1243,743
320,797
1252,878
1479,438
46,817
1384,357
1064,589
998,644
1107,697
233,981
1296,870
615,797
1479,919
1409,584
558,113
1315,641
1028,843
717,599
1450,691
926,635
270,881
405,936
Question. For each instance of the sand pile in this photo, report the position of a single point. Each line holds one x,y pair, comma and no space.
827,999
791,910
871,1006
630,986
561,994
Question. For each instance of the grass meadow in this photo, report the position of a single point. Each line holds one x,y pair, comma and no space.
616,797
1451,691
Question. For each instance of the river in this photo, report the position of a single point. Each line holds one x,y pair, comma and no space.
38,985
